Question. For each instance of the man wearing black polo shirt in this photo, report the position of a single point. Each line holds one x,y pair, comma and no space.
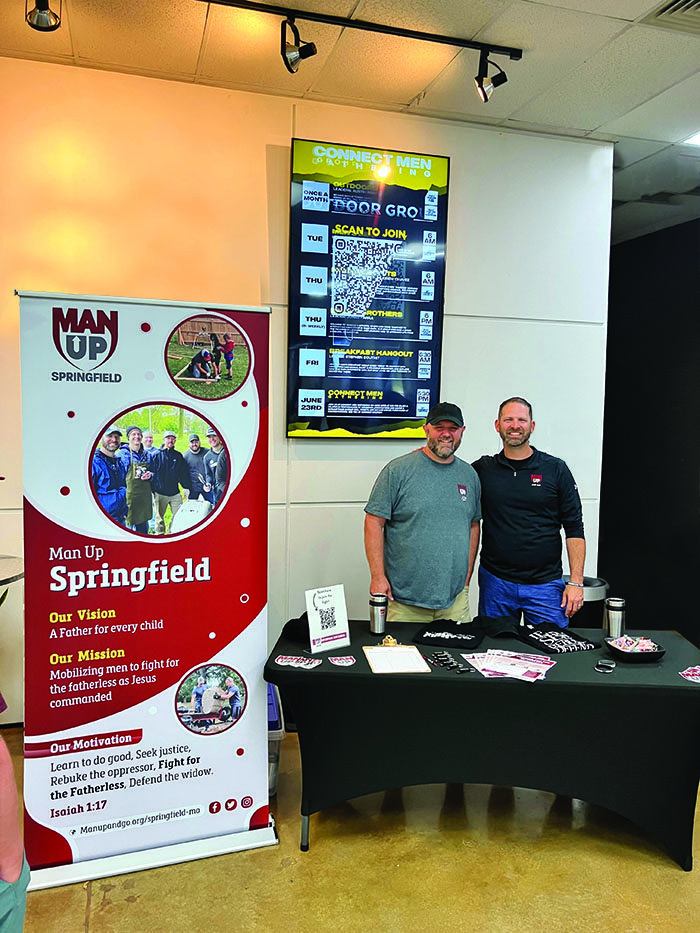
527,497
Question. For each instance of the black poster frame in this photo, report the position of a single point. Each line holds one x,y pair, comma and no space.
368,236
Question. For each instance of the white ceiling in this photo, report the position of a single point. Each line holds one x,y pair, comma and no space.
590,68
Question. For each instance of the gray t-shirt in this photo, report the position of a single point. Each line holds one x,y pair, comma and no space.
428,507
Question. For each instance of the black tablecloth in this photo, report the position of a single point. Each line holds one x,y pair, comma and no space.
627,741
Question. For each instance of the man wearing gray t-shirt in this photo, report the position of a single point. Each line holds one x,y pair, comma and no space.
422,526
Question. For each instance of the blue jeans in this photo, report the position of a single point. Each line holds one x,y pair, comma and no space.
538,602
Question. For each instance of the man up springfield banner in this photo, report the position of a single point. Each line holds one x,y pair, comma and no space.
145,520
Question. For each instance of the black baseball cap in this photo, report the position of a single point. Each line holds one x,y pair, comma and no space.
445,411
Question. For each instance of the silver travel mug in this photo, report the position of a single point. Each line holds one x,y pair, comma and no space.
614,617
377,612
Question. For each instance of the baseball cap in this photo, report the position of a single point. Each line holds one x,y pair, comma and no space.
445,411
206,355
194,437
211,432
169,434
114,430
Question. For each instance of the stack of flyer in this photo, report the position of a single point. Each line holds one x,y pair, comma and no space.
496,663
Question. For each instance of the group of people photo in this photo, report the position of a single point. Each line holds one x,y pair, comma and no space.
211,699
208,357
429,509
153,488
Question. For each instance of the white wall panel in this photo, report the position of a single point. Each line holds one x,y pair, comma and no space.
279,450
277,581
559,368
326,547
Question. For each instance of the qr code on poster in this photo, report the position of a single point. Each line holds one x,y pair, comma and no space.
359,268
327,617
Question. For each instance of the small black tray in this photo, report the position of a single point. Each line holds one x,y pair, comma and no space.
635,657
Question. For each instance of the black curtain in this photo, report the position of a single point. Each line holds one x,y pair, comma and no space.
650,494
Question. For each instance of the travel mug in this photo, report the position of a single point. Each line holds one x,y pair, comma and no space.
614,617
377,612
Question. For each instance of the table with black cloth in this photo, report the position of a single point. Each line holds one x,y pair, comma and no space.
627,741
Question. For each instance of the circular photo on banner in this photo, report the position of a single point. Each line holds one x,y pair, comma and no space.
208,357
211,699
159,470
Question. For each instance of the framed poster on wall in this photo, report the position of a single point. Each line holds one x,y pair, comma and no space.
366,289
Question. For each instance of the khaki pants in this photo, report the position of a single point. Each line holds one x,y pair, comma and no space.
458,611
162,502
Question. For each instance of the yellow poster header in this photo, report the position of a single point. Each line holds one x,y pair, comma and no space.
341,164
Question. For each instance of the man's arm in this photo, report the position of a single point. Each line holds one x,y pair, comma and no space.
573,595
11,851
474,535
374,549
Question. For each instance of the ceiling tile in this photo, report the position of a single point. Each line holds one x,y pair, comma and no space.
672,116
672,170
634,219
374,68
461,18
331,7
553,42
620,9
635,66
629,151
135,35
243,48
16,36
543,128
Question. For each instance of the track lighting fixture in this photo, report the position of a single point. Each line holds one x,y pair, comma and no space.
42,17
294,53
484,84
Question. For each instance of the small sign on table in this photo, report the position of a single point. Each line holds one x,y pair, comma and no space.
328,618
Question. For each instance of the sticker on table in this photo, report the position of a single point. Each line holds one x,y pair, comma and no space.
342,662
692,674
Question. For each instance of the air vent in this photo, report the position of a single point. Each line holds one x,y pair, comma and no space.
681,16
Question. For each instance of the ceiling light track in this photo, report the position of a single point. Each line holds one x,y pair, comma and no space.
308,15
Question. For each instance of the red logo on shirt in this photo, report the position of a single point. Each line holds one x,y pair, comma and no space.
535,480
462,491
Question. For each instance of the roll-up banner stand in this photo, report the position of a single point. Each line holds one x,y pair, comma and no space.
145,521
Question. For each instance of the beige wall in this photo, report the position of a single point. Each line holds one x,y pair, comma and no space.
119,185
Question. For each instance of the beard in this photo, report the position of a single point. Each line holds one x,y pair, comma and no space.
443,449
515,440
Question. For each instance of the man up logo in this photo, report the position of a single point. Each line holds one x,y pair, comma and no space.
85,340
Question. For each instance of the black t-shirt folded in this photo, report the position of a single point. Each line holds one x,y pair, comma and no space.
554,640
546,636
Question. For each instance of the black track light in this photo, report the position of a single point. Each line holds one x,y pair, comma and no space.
42,17
296,51
485,85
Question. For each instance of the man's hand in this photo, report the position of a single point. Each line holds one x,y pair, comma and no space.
380,585
572,600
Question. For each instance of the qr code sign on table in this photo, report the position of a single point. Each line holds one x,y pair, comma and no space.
327,617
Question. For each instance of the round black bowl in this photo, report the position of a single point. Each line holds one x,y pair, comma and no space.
635,657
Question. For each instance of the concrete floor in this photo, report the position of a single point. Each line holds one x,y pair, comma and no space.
435,858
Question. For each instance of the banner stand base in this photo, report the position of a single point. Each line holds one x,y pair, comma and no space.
152,858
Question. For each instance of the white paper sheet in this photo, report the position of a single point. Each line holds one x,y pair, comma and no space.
398,659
